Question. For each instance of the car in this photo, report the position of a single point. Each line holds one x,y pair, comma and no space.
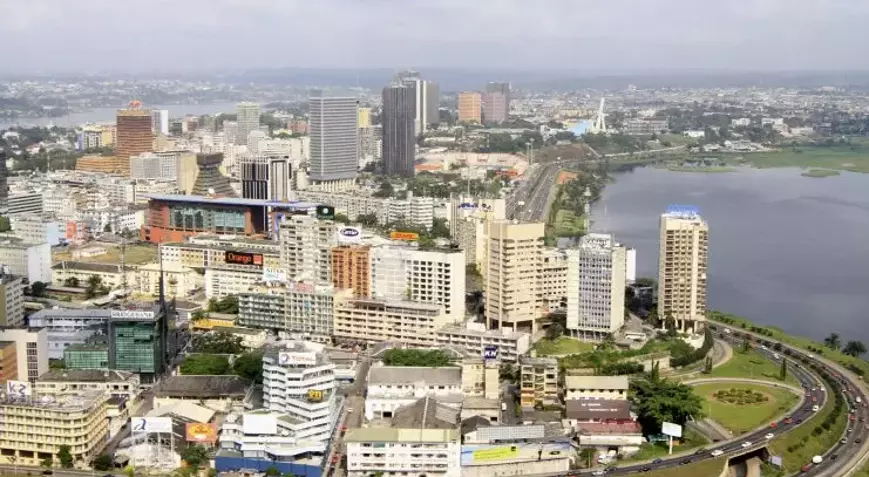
599,472
834,456
805,468
858,440
815,408
717,452
789,420
746,444
851,418
657,461
685,462
844,440
349,410
799,421
699,451
850,429
769,436
47,472
773,425
862,419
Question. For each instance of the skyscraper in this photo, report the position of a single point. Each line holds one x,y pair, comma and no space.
426,99
682,265
248,120
265,176
494,107
334,143
596,287
134,135
4,182
500,87
512,272
470,107
160,121
399,145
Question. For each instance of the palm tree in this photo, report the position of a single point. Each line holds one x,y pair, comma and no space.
833,341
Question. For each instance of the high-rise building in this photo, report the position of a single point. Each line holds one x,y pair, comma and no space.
494,107
133,136
682,266
306,244
151,165
138,342
363,117
334,142
4,182
160,121
247,117
596,287
12,304
266,176
210,181
426,98
502,88
351,269
31,350
512,275
470,107
399,141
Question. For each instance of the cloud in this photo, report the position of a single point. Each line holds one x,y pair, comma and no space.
88,35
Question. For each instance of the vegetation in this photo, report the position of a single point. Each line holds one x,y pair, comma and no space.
854,348
554,331
103,462
749,364
95,287
195,456
5,225
218,342
136,255
65,456
658,400
648,451
205,364
37,289
415,357
227,304
249,366
561,345
71,282
746,407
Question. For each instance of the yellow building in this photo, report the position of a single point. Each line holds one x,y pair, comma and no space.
209,252
470,107
8,362
178,280
363,117
33,429
106,164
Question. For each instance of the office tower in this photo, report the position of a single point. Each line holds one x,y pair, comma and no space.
682,265
210,181
426,98
306,244
432,104
399,144
363,117
133,136
266,176
470,107
160,121
138,342
596,287
502,88
247,117
4,182
151,165
334,142
512,275
494,107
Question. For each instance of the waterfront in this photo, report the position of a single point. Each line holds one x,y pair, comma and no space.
109,114
785,250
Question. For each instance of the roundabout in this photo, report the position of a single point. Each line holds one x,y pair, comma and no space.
741,407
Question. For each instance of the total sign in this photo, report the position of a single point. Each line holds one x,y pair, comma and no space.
349,235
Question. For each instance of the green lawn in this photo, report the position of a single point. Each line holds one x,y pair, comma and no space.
562,346
751,365
648,451
743,418
567,224
845,158
707,468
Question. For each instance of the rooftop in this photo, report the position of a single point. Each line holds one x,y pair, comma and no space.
202,387
85,375
412,374
90,267
596,382
598,409
426,413
298,205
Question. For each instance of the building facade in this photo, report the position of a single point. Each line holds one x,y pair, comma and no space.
512,275
470,107
66,327
596,287
399,137
682,267
334,142
351,269
373,321
134,136
247,117
31,350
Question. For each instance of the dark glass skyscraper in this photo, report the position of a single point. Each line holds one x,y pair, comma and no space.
399,141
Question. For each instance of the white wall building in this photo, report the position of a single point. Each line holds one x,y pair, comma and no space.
65,327
31,350
27,259
392,387
596,287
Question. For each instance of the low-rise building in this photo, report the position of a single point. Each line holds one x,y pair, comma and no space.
68,326
583,411
219,393
292,308
538,381
178,281
596,387
12,306
250,338
88,355
408,322
392,387
110,274
30,260
509,345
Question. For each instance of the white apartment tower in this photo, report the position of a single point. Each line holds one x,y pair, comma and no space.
512,275
596,287
682,267
247,120
306,243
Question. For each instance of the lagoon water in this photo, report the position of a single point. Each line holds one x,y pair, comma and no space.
785,250
109,114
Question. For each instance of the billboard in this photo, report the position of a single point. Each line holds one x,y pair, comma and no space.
201,432
131,314
670,429
259,424
287,358
490,352
325,212
315,395
18,389
274,275
404,236
496,453
349,235
243,258
151,425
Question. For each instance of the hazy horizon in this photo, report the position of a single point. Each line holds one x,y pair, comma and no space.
577,36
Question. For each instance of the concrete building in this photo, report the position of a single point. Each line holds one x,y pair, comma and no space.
373,321
596,388
292,309
306,244
469,220
25,204
393,387
111,275
682,267
178,282
138,342
495,107
70,382
426,99
538,381
423,438
9,362
134,136
266,176
31,350
34,430
247,117
427,276
553,279
512,275
219,393
509,345
596,287
645,127
334,142
470,107
66,327
210,181
351,269
415,210
363,117
12,296
399,138
38,229
29,260
223,281
160,121
149,165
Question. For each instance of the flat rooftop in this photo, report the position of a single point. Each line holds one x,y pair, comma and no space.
199,199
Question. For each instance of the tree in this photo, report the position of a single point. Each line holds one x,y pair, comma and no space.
342,218
783,371
103,462
707,367
205,364
658,401
71,282
554,331
386,190
273,472
439,228
367,220
249,366
195,456
416,357
586,455
854,348
746,345
5,226
218,342
48,462
833,341
65,456
94,285
38,289
227,304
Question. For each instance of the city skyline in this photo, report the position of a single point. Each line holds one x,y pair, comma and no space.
620,34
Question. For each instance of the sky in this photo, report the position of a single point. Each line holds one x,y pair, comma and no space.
90,36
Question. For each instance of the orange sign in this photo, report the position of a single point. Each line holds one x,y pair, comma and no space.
201,432
404,236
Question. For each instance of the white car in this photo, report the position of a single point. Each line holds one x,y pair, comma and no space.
599,472
717,452
769,436
746,444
